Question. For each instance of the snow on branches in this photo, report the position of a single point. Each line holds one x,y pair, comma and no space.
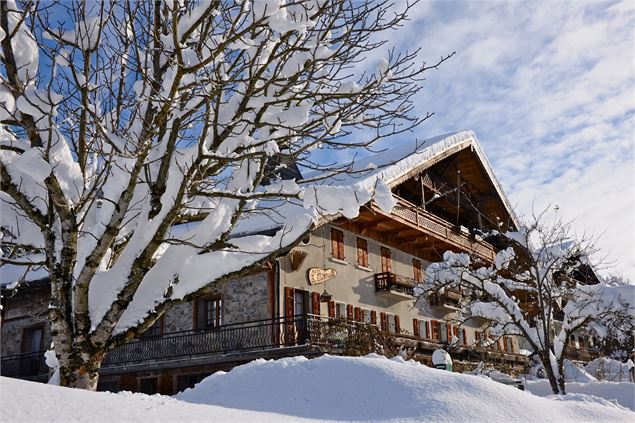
540,286
120,121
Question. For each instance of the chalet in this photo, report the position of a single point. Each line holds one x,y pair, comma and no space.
360,271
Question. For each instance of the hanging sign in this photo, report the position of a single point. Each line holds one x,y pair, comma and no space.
317,275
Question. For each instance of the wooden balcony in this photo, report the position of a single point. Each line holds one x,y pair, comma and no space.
394,286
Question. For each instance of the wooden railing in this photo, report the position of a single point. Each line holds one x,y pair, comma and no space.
441,229
388,281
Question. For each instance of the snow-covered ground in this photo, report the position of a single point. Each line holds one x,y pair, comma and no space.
328,388
622,392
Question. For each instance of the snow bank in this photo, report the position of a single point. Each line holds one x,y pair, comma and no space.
295,389
375,388
604,368
621,392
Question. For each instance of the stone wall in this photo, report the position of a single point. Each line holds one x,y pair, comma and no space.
243,300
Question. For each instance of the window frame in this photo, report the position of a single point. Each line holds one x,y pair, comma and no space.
337,244
219,313
362,251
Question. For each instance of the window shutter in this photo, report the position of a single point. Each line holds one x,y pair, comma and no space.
435,330
386,264
384,321
464,337
416,269
415,327
499,345
455,331
373,317
349,312
449,332
337,243
288,299
362,252
397,326
340,245
358,314
477,338
331,309
428,335
315,303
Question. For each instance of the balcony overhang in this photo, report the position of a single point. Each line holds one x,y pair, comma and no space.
413,229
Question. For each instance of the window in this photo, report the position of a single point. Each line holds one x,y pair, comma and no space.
435,325
386,262
416,270
392,328
366,316
362,252
300,298
32,339
155,330
420,328
337,244
340,310
149,385
209,313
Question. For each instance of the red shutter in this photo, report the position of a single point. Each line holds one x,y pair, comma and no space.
448,328
428,334
464,337
358,314
362,252
349,312
416,269
315,303
337,243
435,330
397,326
331,309
386,262
384,321
373,317
415,327
288,300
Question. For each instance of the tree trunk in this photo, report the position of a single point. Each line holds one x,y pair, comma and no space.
553,380
561,378
82,370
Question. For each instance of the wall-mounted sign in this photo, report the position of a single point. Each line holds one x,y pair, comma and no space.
317,275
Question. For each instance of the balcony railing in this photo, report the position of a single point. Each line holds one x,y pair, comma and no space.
450,298
242,337
440,228
390,282
24,366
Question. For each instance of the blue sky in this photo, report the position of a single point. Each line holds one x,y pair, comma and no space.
549,90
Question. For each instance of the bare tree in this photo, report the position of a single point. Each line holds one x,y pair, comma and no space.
121,120
541,287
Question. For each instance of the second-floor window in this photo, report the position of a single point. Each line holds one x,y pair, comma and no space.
362,252
209,313
386,261
337,244
416,270
32,339
155,330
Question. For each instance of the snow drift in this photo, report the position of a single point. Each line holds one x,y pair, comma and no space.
371,388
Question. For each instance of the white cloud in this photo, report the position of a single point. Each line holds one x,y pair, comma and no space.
549,89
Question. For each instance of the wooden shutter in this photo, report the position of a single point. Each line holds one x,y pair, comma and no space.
464,336
337,243
288,301
397,326
416,270
415,327
428,334
455,332
331,309
477,338
362,252
435,330
349,312
373,317
386,262
358,314
384,321
499,345
315,303
448,328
